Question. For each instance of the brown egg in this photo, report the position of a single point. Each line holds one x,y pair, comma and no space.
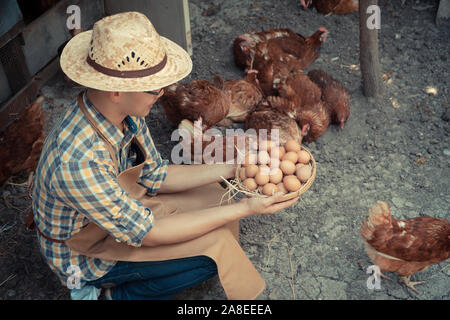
242,175
288,167
250,158
269,189
282,188
298,165
304,173
266,145
277,152
262,177
291,183
293,146
291,156
251,170
303,157
264,169
263,157
276,176
274,163
250,183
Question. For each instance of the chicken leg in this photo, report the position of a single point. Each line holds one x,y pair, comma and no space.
410,284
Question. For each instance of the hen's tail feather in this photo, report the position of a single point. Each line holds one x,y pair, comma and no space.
379,214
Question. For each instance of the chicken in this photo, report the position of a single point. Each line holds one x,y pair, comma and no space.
404,246
267,49
328,7
245,94
300,99
334,95
245,45
22,142
203,145
198,100
266,118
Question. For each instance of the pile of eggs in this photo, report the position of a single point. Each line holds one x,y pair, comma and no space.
273,169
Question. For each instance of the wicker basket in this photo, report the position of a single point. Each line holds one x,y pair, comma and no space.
305,186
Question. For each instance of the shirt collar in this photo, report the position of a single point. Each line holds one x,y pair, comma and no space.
110,131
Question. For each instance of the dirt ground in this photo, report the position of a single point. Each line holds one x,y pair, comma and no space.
396,149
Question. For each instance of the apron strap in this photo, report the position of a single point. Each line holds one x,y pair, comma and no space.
109,146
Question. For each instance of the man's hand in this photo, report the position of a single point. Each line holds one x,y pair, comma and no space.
268,205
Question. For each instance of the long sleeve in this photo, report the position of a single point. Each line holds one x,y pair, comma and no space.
91,188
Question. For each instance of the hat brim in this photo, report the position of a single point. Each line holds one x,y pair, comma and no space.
74,65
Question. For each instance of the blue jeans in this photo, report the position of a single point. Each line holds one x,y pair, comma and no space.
159,280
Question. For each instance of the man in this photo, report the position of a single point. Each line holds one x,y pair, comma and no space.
100,181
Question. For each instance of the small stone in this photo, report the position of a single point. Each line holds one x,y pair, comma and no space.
316,235
447,152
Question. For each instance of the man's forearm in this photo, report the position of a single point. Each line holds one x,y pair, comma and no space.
190,225
184,177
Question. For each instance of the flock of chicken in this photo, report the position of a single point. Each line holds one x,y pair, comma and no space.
276,93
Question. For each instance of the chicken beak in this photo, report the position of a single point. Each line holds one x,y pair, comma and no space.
303,4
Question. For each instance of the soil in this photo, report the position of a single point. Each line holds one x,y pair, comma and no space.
395,149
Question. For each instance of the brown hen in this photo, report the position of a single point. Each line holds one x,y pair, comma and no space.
254,50
266,118
203,144
328,7
21,142
197,100
300,99
404,246
245,94
334,95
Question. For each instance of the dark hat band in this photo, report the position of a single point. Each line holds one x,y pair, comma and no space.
130,73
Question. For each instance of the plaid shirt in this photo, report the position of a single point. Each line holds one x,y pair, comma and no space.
76,183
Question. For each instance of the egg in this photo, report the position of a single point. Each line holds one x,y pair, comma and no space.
250,183
264,169
291,156
303,157
277,152
298,165
274,163
250,158
282,188
262,177
291,183
263,157
269,189
276,176
292,146
251,170
303,173
267,145
288,167
242,175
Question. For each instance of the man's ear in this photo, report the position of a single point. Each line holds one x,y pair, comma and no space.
115,96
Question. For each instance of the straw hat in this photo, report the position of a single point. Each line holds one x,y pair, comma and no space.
124,52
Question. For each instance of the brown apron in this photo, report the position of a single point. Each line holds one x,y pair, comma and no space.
238,276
